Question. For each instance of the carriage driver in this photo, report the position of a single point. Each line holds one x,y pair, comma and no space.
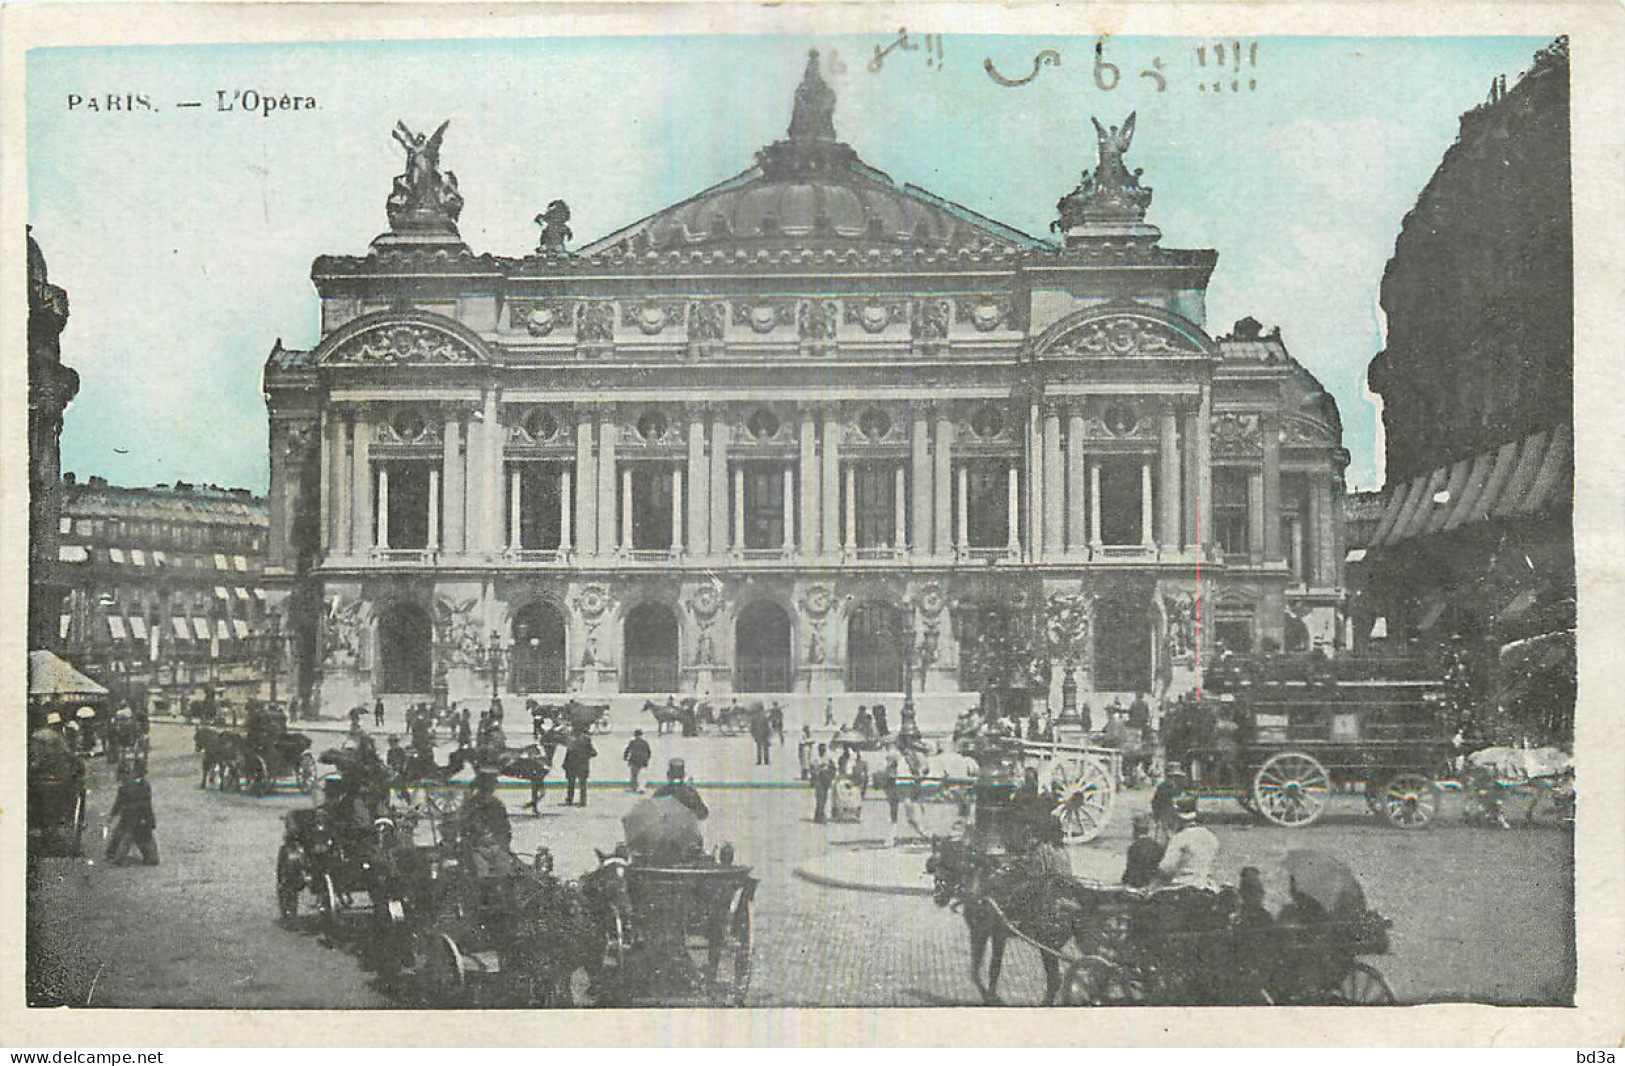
673,839
483,827
1192,850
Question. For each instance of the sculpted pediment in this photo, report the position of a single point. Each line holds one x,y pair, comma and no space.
1120,334
401,339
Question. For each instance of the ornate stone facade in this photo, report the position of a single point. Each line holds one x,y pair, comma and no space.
751,444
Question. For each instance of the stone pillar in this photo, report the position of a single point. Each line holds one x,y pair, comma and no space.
1033,467
564,512
962,513
586,478
788,485
717,486
516,506
474,489
920,514
1187,441
1270,430
899,508
451,487
626,509
608,435
434,510
942,487
850,492
1077,511
697,505
1204,467
1295,529
1147,537
739,510
810,477
1168,441
383,508
831,540
491,513
327,499
1094,505
677,510
1013,539
1316,573
1054,487
1255,517
361,485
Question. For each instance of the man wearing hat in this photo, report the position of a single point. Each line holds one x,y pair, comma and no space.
665,827
483,824
1192,850
132,808
678,788
578,756
637,756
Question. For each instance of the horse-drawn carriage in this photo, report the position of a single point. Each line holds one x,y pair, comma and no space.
687,936
56,796
1282,736
338,856
257,760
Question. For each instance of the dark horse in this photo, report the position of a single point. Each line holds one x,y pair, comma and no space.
998,893
222,751
569,927
687,714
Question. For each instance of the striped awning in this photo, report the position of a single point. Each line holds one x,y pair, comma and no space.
1519,478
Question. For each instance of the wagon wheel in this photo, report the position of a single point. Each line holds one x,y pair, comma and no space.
442,970
327,900
307,773
229,776
259,776
289,882
1291,789
1085,796
1363,985
731,980
1094,982
1408,801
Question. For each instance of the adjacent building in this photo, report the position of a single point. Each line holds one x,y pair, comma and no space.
51,387
165,601
1472,541
796,435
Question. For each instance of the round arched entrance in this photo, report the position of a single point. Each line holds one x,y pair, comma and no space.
650,649
405,649
539,660
762,649
874,649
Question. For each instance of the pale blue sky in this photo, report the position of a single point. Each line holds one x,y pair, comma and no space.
185,237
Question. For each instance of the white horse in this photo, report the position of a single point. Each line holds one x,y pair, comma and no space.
1494,775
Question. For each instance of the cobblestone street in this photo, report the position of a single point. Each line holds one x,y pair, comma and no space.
1478,915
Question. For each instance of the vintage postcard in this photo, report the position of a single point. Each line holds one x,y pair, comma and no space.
758,512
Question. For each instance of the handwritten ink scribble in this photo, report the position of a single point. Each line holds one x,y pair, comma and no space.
1047,56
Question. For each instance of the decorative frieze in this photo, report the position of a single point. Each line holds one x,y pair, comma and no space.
983,313
396,343
764,316
652,317
1237,433
876,316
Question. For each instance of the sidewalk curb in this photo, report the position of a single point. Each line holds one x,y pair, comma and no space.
812,876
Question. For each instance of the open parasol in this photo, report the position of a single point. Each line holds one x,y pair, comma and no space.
1327,881
661,825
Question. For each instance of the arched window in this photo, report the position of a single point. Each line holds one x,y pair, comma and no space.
874,649
405,649
539,662
762,649
651,649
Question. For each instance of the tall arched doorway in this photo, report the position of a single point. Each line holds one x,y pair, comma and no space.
650,649
405,649
874,649
1122,645
762,649
539,662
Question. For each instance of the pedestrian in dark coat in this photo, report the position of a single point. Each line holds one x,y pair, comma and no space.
823,778
775,719
637,757
378,714
577,765
881,727
761,731
465,730
135,821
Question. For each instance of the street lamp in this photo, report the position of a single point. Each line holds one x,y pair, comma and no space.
271,651
491,659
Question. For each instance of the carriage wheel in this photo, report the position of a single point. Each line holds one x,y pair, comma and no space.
307,773
327,899
442,970
1408,801
1363,986
259,776
732,979
1094,982
230,777
1087,795
1291,789
289,882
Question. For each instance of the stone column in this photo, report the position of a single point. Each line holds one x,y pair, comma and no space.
586,485
383,508
491,513
474,488
831,490
808,472
329,463
677,510
899,508
697,504
608,435
626,509
1095,540
1204,467
1295,530
739,510
942,487
850,541
1054,487
1168,441
1077,510
434,510
1255,517
789,493
564,512
962,513
1188,435
1032,461
717,486
1315,573
919,527
516,505
361,485
1013,539
1270,430
451,488
1147,537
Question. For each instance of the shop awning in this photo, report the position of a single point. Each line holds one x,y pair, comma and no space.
241,627
115,627
50,676
138,626
200,628
182,631
72,553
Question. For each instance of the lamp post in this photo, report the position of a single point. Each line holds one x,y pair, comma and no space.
271,651
492,656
